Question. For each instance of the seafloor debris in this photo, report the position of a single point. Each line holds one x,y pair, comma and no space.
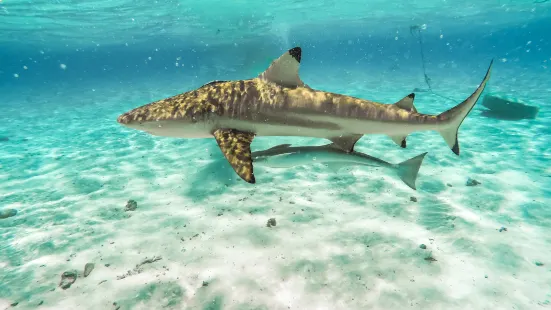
5,213
422,246
138,269
503,229
205,283
507,108
67,279
430,258
472,182
413,199
131,205
538,263
271,222
88,269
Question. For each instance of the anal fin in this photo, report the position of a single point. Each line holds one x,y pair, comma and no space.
236,147
346,143
400,141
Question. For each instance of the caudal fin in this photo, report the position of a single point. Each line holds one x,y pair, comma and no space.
453,118
408,170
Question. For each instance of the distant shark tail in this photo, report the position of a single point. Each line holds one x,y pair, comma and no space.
454,117
408,170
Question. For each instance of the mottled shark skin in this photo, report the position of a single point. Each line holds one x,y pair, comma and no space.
278,103
286,156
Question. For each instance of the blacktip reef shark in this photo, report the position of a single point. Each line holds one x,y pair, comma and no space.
285,156
278,103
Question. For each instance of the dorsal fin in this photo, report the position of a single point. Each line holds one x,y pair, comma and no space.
407,103
281,146
346,143
284,70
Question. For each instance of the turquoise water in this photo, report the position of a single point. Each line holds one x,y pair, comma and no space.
198,238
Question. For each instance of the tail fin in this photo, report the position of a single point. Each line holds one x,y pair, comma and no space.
455,116
407,170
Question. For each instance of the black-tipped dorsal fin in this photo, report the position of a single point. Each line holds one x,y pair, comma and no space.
407,103
277,147
236,146
284,70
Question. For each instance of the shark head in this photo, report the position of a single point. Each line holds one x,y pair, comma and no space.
185,115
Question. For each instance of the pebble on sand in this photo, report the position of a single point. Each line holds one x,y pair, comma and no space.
414,199
67,279
539,264
5,213
131,205
88,269
271,222
472,182
422,246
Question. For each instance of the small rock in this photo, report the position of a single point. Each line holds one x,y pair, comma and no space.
414,199
14,304
422,246
448,184
5,213
502,229
539,264
88,269
486,276
67,279
472,182
41,302
131,205
107,265
271,222
205,283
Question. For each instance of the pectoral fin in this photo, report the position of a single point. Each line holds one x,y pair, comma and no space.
236,146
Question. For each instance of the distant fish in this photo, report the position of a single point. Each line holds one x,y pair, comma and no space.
285,156
278,103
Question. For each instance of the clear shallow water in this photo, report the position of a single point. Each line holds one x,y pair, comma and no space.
343,241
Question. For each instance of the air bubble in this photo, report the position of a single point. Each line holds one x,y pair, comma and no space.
63,66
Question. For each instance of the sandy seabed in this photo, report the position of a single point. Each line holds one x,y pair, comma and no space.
198,238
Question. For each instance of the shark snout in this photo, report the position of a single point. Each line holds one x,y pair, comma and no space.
124,119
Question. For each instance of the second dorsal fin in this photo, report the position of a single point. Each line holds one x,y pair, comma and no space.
284,70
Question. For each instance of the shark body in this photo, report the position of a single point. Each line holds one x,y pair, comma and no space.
285,156
278,103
